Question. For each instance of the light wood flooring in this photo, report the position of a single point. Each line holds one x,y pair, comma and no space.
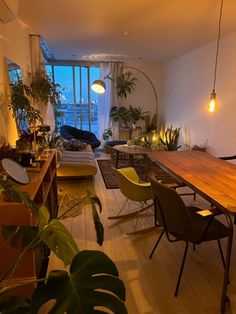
149,283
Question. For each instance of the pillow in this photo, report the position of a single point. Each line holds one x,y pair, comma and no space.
74,145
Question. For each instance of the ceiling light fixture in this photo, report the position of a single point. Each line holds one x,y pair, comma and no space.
212,102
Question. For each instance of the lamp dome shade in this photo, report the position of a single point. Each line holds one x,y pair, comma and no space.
99,86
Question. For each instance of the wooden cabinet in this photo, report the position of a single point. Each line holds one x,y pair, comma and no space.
42,189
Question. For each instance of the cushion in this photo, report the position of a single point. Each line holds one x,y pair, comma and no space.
74,145
77,163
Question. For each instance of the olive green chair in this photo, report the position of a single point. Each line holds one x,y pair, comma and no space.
139,197
182,223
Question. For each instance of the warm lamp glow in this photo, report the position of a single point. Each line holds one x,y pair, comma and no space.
154,138
99,87
212,102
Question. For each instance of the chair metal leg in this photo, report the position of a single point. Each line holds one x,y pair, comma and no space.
156,244
130,213
181,269
224,297
221,253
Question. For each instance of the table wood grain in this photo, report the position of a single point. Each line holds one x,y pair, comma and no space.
212,178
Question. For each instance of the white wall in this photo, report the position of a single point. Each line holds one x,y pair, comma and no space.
188,82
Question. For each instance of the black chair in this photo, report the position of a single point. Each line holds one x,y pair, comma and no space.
183,223
70,132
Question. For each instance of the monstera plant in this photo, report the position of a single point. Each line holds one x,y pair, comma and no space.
90,285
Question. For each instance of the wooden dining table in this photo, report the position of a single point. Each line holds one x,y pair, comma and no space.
212,178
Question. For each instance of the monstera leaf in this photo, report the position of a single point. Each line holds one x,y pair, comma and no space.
59,240
97,222
91,286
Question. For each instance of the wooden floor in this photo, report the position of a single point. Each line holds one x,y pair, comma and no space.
150,284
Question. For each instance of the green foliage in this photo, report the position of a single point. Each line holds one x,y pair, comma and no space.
22,110
44,89
128,115
92,281
169,140
125,84
59,240
136,114
151,123
55,140
106,134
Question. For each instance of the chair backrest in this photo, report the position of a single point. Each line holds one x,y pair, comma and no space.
131,186
171,211
70,132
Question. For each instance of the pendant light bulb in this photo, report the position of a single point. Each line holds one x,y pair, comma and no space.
212,102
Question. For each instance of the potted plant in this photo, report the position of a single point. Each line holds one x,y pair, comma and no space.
92,279
137,114
169,139
121,114
125,84
24,114
106,134
44,89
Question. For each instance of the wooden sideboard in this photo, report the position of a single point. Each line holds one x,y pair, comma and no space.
42,189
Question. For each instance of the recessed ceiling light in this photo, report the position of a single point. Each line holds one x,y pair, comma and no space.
125,33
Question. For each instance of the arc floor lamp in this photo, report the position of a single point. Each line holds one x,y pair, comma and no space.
99,86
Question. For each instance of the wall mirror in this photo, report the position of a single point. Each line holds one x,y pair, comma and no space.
19,101
14,71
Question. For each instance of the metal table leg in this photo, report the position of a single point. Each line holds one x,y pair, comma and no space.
224,297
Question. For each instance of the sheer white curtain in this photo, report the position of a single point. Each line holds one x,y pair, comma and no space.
38,65
109,98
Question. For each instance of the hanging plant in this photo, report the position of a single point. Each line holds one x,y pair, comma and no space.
125,84
44,89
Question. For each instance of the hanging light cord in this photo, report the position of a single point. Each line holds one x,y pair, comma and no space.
218,43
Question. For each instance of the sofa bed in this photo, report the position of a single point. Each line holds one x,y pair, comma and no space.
76,163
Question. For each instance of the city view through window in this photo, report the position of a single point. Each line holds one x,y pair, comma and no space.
78,102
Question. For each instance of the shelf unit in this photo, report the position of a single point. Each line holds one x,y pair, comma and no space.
42,189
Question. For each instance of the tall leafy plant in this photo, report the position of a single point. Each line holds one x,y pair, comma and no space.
24,114
92,280
169,139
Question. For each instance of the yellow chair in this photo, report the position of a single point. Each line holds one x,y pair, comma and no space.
136,191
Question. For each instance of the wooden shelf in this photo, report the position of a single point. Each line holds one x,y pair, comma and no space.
42,189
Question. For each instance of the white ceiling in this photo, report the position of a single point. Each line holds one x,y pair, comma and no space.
156,30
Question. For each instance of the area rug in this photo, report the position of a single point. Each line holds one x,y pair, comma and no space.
110,178
69,206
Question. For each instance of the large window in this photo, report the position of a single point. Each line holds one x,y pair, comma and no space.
79,102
